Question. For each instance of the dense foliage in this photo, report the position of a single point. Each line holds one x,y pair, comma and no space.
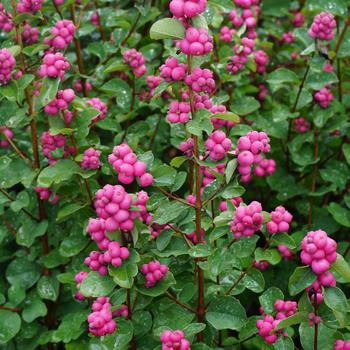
174,174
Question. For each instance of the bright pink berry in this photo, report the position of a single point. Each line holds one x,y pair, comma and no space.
179,112
60,102
61,34
91,159
30,35
6,22
54,65
99,105
100,320
301,125
172,70
154,271
7,63
197,42
136,61
46,195
218,145
7,134
201,80
187,8
174,340
30,6
324,97
323,26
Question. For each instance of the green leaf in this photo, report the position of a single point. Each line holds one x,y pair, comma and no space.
164,175
297,318
167,28
95,285
168,212
335,299
10,324
70,328
285,239
284,343
68,210
34,308
124,274
178,161
282,76
16,294
301,278
342,268
200,251
230,169
61,171
9,91
48,90
227,116
226,312
326,336
346,151
22,271
29,231
193,329
160,288
269,297
164,239
340,214
47,288
245,105
142,322
270,255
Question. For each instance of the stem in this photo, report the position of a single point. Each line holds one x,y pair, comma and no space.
57,9
316,325
346,251
88,190
9,197
100,28
132,29
16,149
198,209
155,132
172,196
342,34
13,309
314,177
78,51
294,109
50,319
239,279
178,302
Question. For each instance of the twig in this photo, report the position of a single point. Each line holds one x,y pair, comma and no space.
178,302
172,196
16,149
132,29
8,196
13,309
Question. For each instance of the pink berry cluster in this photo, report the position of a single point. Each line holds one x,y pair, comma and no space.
54,65
280,220
101,319
141,202
78,85
208,176
30,35
114,255
7,63
285,252
100,106
50,143
235,202
179,112
267,325
262,265
261,60
217,122
30,6
46,195
9,134
226,34
187,147
126,164
113,204
241,53
323,26
153,82
136,61
313,319
157,229
217,145
62,34
91,159
249,150
247,220
95,19
197,42
6,23
187,8
301,125
172,70
324,97
298,19
60,102
154,271
288,37
193,237
342,345
123,311
201,80
174,340
318,251
97,231
79,278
